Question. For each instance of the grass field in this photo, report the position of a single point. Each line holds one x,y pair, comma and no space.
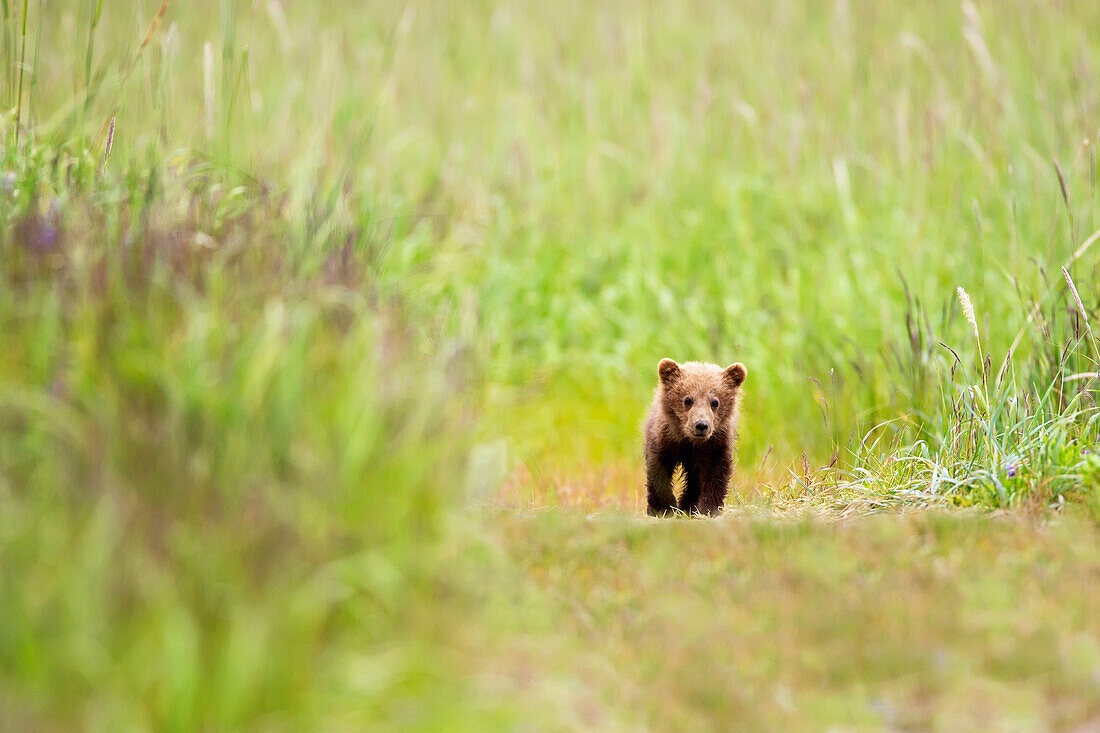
328,331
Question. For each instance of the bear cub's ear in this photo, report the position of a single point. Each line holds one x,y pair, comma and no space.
735,374
668,370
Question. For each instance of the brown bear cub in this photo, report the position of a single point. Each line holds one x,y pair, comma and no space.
692,423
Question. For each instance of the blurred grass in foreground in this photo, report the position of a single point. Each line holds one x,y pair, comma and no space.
221,486
290,292
926,621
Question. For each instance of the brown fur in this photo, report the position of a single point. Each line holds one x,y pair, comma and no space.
697,436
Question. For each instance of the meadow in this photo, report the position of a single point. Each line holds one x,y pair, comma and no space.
328,331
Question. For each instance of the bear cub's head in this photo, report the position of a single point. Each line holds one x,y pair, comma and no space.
700,398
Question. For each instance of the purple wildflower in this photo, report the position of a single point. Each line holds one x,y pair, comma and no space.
44,236
41,231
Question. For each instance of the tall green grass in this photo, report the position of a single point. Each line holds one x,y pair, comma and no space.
575,211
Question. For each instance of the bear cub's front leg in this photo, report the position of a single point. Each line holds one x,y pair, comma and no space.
713,470
660,500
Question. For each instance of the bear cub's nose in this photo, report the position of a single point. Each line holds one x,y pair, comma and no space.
701,427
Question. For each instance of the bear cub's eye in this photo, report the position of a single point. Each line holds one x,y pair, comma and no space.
714,404
688,402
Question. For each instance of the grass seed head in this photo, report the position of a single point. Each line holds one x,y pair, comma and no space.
968,309
1083,312
153,28
110,144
